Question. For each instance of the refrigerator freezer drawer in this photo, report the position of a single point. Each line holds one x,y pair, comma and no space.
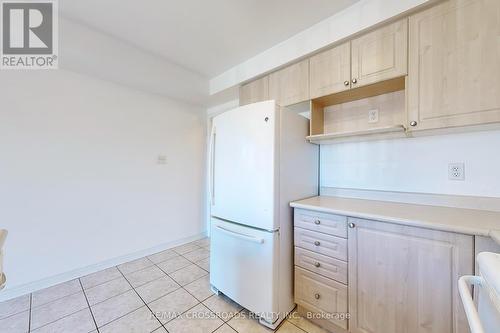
243,265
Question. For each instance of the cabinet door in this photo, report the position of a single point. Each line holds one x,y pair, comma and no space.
404,279
255,91
454,66
330,71
290,85
380,55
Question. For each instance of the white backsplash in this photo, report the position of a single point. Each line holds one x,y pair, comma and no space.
416,164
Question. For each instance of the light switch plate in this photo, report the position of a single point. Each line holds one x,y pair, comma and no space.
373,116
456,171
162,159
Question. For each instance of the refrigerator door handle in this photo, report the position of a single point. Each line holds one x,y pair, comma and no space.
241,236
468,303
212,166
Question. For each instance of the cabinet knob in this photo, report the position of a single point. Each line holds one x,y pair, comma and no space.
317,296
352,225
317,243
317,264
317,222
354,80
413,123
346,83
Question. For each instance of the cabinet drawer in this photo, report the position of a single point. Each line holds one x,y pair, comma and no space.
329,267
329,245
326,223
321,295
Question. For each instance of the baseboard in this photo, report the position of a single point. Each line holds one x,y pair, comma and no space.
24,289
429,199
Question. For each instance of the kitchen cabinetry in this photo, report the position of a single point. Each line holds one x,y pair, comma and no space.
454,67
398,279
321,267
404,279
290,85
255,91
330,71
380,55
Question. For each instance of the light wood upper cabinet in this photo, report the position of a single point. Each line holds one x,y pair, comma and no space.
404,279
330,71
454,65
290,85
255,91
380,55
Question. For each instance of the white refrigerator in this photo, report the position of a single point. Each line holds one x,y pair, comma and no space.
259,162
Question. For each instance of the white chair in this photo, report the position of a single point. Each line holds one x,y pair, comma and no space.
3,278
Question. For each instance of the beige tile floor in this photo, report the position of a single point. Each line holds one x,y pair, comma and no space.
165,292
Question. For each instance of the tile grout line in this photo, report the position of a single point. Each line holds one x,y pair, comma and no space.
300,328
133,288
151,311
90,309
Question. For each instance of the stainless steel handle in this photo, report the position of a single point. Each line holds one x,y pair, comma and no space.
354,80
346,83
413,123
317,296
352,225
317,264
317,243
241,236
317,222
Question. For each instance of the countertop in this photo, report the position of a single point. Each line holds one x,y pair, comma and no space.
459,220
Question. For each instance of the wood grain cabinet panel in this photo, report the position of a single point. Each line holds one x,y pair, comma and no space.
330,71
330,224
380,55
321,295
404,279
320,264
290,85
327,245
255,91
454,64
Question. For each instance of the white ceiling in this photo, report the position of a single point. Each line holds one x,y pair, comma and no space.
205,36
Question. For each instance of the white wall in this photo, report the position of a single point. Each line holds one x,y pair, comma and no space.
416,164
91,52
79,179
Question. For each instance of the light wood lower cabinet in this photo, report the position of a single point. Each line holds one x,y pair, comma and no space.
404,279
321,295
392,279
454,65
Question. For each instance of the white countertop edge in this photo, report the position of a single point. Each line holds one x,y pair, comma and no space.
402,221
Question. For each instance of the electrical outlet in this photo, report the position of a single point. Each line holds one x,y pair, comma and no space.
373,116
456,171
162,159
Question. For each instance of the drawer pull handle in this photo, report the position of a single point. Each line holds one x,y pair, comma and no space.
352,225
317,296
317,222
317,243
317,264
